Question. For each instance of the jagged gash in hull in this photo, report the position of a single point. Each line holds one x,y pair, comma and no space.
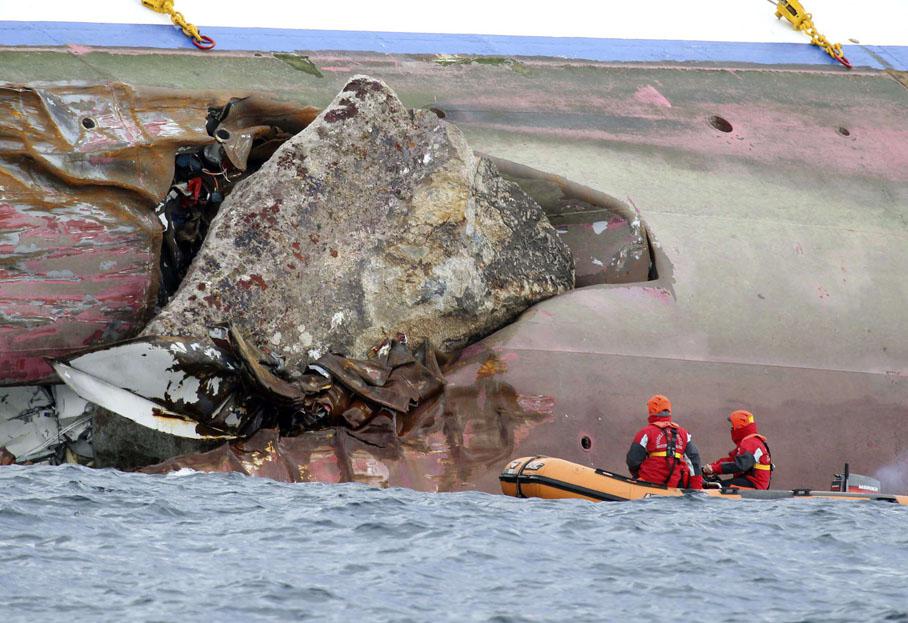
780,255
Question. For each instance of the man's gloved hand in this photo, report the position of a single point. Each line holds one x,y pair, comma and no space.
708,470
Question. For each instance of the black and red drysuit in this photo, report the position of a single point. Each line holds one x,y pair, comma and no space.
750,462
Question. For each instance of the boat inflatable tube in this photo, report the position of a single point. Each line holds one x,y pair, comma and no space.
553,478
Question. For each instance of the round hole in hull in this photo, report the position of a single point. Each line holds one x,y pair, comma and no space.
720,123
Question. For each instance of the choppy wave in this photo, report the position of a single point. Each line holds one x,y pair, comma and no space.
101,545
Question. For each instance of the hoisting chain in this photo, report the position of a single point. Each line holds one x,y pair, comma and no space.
166,6
803,21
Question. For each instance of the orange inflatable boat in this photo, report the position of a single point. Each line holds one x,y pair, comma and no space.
552,478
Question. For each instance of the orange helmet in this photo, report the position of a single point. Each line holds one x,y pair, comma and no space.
740,419
657,404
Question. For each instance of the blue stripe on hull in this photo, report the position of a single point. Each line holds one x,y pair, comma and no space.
286,40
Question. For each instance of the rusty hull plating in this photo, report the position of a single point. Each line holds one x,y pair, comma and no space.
82,168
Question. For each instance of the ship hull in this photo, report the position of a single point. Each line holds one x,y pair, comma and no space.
780,252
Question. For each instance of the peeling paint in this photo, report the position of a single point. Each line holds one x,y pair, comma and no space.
648,94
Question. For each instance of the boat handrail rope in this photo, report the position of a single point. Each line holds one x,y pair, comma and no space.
199,40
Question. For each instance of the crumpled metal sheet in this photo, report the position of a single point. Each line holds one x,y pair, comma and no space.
454,441
397,378
28,422
40,423
82,167
181,386
222,386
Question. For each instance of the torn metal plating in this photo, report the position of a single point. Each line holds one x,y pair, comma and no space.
205,175
82,167
183,387
40,424
224,388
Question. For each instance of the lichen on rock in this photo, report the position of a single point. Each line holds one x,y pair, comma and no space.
373,220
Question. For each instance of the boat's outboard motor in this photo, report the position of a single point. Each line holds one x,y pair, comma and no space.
854,483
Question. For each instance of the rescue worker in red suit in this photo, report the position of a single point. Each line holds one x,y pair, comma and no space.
663,452
750,463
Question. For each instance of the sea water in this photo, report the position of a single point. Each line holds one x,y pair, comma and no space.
78,544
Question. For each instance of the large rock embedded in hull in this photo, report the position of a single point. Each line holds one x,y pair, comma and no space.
374,219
